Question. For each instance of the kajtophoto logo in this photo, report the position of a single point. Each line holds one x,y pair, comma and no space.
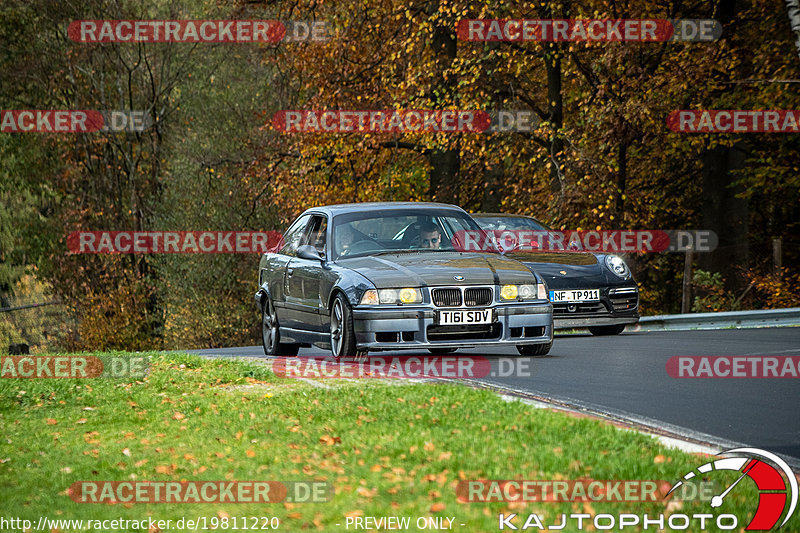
774,495
775,481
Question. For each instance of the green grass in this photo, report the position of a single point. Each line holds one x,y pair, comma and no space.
388,449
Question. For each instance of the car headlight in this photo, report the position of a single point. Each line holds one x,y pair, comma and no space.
616,265
391,296
523,292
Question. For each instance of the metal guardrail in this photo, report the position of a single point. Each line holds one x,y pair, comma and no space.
769,318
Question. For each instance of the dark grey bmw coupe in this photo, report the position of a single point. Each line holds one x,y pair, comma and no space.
387,276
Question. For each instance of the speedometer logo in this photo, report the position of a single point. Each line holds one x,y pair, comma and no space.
771,482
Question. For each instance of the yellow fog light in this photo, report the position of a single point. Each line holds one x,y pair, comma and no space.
410,296
508,292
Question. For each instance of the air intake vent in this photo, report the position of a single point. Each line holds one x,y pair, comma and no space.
447,297
477,296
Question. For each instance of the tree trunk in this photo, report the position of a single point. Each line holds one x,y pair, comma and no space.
622,177
556,115
793,8
445,162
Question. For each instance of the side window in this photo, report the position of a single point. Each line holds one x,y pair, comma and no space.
293,236
317,231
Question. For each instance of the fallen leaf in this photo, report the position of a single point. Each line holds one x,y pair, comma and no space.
437,507
353,514
126,451
659,459
52,421
178,416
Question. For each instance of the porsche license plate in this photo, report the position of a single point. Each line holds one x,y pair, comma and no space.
587,295
477,316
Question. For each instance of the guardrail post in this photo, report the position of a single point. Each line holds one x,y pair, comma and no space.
686,290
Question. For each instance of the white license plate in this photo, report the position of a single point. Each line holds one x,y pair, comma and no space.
478,316
588,295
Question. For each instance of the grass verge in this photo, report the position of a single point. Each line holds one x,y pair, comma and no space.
388,449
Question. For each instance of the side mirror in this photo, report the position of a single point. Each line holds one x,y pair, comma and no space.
309,252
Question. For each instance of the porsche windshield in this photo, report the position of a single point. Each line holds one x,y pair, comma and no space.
499,222
371,232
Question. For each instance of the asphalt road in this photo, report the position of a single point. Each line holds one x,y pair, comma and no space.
626,376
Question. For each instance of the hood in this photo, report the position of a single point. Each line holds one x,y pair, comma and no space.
567,270
420,269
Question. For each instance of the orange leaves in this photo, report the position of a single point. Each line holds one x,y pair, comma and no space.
51,421
166,469
329,441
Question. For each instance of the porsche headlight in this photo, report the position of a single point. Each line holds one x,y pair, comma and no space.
616,265
392,296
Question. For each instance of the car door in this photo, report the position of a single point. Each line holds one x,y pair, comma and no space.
303,277
278,268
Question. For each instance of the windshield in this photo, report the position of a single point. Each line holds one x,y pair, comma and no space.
489,222
398,230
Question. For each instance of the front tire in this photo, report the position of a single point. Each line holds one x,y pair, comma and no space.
607,330
271,335
343,334
534,349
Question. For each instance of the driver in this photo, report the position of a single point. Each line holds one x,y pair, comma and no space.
429,236
345,237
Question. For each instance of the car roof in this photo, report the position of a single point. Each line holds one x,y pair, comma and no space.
378,206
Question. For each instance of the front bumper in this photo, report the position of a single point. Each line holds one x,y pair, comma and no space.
617,305
394,328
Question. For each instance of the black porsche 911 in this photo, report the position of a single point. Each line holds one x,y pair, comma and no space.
593,290
378,276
